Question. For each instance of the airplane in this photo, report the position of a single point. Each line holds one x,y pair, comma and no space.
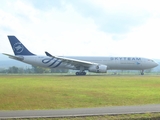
80,63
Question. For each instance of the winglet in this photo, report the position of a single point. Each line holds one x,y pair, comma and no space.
48,54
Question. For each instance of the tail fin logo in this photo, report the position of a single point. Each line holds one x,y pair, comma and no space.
18,47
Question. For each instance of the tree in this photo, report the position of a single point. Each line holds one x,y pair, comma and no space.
148,70
38,69
13,69
58,70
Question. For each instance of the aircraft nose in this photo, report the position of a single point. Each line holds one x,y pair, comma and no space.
155,64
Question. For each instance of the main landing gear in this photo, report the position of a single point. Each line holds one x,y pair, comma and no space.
80,73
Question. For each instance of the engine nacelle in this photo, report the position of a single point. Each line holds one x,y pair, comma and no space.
98,68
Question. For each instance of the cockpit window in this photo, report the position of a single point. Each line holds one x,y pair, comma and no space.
150,60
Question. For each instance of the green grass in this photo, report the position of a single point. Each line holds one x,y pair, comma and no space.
58,92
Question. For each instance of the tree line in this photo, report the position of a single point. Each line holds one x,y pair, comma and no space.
33,69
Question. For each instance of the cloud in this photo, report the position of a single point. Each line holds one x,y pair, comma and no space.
116,21
58,32
90,28
47,4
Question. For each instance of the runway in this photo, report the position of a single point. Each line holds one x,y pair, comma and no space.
80,112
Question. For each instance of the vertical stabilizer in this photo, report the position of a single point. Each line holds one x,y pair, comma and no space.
18,47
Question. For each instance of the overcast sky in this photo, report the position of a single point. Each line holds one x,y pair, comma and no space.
83,27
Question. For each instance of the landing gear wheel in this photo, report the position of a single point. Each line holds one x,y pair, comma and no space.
80,73
84,73
77,73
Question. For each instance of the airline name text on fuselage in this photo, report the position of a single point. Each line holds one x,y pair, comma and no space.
124,58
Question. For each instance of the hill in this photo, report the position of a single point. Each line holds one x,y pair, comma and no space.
10,63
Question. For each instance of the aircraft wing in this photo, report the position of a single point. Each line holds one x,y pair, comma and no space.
20,58
75,62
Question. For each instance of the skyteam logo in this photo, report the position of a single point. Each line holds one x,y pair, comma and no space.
52,62
18,47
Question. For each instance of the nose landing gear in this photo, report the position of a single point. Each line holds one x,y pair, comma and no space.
142,72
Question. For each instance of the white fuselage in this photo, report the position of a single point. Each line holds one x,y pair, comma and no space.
92,64
112,63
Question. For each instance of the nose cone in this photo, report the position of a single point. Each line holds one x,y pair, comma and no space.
155,64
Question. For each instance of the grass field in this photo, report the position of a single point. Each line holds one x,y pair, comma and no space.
56,92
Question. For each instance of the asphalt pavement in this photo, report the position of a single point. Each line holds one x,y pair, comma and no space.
80,111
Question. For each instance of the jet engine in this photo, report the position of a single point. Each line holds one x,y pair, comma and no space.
98,68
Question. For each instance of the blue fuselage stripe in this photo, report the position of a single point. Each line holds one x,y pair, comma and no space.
57,64
53,63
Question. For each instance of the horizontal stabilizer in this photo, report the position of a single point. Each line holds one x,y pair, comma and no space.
20,58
